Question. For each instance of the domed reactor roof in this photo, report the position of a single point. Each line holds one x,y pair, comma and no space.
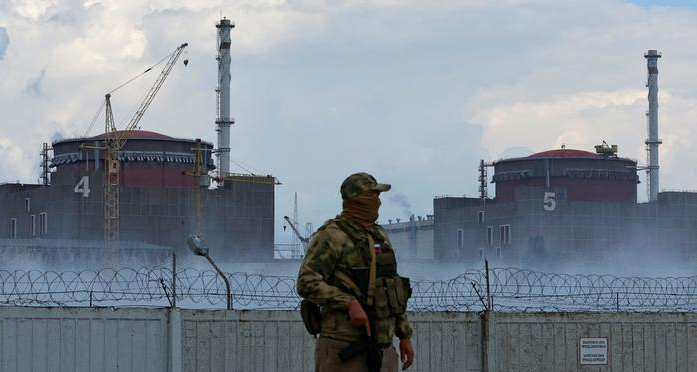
574,175
564,153
135,134
147,158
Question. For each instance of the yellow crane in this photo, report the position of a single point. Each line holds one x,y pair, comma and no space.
200,180
115,140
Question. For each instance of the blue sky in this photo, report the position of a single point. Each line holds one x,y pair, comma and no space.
414,93
671,3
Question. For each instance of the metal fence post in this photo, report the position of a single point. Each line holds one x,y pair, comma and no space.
175,340
488,327
488,341
488,288
174,280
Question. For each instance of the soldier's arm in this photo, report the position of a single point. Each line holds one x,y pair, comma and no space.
318,265
403,329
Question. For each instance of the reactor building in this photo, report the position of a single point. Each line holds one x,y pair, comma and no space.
568,205
160,194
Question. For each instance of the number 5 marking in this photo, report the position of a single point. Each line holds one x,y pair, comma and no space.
550,203
83,187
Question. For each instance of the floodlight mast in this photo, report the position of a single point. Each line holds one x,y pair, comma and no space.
199,247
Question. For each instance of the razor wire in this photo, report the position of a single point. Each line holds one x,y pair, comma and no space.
511,289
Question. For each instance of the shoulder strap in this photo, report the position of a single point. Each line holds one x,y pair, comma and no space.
381,232
373,269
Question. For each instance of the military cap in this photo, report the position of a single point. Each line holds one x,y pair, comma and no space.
359,183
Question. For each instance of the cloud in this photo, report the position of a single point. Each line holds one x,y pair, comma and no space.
515,152
57,136
33,87
4,42
576,120
33,9
15,161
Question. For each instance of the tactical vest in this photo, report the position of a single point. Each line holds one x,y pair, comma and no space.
391,291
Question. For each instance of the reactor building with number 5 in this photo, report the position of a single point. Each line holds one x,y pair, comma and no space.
568,206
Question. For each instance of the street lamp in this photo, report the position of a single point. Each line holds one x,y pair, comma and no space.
199,247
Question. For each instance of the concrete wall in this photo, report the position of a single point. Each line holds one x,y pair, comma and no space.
245,341
136,339
636,342
76,340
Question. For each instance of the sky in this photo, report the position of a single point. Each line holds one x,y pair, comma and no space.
414,92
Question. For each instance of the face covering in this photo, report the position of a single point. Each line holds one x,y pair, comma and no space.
363,209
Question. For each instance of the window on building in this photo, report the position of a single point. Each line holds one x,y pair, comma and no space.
13,228
32,228
490,235
498,253
27,204
505,234
480,217
481,254
43,223
460,241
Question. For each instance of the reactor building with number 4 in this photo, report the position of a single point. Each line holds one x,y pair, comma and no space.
137,194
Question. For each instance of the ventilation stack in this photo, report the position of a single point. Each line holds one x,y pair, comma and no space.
223,120
653,141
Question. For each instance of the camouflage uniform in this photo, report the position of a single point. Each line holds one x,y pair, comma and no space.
332,248
339,245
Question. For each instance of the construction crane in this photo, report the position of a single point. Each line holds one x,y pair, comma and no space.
295,229
247,177
200,180
113,143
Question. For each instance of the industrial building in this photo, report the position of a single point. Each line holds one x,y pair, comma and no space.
568,205
156,199
131,187
412,239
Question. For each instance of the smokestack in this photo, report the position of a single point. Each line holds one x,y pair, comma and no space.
223,119
653,141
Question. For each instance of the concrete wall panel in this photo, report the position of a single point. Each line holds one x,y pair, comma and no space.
447,342
133,339
217,340
636,342
77,340
276,340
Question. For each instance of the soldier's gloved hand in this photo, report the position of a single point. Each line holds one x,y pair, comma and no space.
358,316
406,353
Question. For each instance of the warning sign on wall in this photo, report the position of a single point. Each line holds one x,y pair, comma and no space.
593,350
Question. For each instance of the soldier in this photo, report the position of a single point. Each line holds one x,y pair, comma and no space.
350,271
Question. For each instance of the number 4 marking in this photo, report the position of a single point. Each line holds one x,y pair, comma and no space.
550,202
83,187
